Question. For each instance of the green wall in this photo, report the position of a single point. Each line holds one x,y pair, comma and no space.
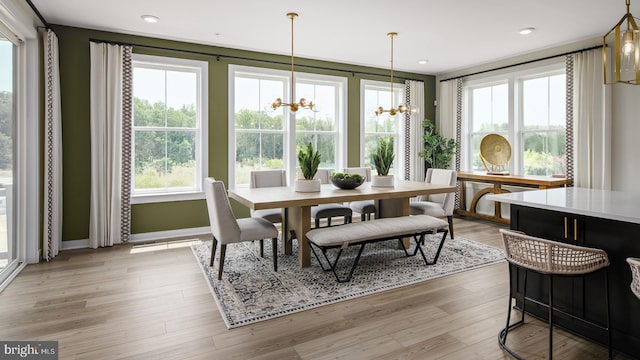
74,85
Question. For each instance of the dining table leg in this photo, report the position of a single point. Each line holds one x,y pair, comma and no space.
299,220
386,208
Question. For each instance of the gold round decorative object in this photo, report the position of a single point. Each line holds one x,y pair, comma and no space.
496,150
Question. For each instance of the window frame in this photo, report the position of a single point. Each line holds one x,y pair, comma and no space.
289,126
398,136
515,136
201,69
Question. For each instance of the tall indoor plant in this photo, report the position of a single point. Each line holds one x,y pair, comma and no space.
308,160
438,150
383,160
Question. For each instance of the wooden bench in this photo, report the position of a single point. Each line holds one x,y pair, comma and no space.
365,232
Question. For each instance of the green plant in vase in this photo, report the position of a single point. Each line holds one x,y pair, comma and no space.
308,160
383,158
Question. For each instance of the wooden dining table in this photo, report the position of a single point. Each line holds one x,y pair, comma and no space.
390,202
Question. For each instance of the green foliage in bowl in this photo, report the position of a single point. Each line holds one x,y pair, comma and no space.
346,181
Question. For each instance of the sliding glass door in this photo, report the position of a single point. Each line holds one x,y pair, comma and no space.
8,243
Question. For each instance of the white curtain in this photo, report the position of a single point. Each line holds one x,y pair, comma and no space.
52,227
447,103
415,163
106,144
592,123
449,121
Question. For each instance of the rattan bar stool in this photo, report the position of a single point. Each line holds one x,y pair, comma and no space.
550,258
634,263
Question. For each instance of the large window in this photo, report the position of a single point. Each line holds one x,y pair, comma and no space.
544,125
528,109
8,243
374,94
169,127
489,108
264,138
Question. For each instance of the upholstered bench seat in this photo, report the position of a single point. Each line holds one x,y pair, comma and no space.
364,232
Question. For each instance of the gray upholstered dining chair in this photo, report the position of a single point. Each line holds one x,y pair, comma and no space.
226,229
267,178
365,207
634,263
437,205
327,211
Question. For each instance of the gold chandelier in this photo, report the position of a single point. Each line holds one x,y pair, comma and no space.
401,108
293,106
624,66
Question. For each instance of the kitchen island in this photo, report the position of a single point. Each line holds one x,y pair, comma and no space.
608,220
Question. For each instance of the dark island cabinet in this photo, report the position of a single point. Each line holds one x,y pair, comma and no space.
584,296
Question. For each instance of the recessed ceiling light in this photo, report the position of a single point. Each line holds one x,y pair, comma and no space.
423,61
150,18
526,31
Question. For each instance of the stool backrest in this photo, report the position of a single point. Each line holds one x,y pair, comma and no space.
551,257
634,263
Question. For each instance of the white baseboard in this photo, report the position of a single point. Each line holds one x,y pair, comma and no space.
75,244
164,235
145,237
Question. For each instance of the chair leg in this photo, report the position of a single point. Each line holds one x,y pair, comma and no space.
450,219
328,222
317,223
223,251
274,247
363,217
348,220
261,248
606,287
550,317
213,250
502,335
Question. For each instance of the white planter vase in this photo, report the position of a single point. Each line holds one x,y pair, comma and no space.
303,185
382,181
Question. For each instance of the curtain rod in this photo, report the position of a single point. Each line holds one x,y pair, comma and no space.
218,56
524,63
38,14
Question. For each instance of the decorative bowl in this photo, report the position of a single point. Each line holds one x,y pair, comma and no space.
346,181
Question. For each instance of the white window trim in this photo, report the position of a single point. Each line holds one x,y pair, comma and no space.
27,157
397,144
202,148
514,82
289,126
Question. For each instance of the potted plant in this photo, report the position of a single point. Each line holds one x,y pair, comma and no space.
308,160
382,160
438,150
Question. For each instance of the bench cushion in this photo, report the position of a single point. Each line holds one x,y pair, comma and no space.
344,235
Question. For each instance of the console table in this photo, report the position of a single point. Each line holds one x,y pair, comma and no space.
539,182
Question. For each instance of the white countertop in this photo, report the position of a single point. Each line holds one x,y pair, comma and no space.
614,205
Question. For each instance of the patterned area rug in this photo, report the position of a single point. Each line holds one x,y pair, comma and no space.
250,291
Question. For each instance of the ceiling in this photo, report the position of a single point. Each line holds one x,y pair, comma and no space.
451,35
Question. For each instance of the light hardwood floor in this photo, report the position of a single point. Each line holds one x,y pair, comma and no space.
152,302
